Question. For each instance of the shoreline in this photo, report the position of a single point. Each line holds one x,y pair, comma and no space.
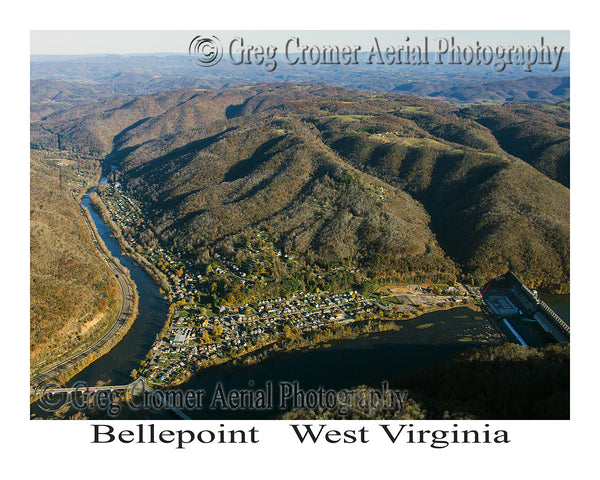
278,348
158,277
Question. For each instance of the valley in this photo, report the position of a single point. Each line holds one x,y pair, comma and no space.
278,216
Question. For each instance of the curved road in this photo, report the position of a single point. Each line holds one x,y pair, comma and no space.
126,309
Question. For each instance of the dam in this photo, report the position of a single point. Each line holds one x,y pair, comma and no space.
521,314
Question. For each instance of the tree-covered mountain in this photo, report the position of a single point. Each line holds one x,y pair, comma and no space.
398,186
527,89
509,382
74,297
536,133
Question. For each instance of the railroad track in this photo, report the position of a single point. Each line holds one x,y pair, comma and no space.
126,288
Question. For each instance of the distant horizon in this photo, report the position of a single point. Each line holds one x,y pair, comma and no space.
140,54
135,42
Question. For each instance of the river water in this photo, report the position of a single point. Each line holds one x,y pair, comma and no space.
368,360
561,304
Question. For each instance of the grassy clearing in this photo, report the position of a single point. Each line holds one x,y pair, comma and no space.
411,108
417,142
352,118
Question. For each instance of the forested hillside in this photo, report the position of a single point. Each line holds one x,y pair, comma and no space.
73,294
538,134
509,382
399,187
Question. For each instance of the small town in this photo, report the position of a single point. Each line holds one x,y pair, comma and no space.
200,335
196,339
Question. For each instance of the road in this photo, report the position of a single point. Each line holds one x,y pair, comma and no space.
126,288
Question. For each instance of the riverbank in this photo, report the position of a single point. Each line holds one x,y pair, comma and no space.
159,277
339,364
352,331
280,345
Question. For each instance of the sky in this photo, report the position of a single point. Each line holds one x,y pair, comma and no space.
78,42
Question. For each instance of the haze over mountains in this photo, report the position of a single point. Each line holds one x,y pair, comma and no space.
95,77
399,186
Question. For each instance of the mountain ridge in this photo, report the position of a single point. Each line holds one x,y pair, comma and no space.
394,184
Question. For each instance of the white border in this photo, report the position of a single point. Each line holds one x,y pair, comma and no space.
59,449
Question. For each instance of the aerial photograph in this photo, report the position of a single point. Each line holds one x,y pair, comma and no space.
299,225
